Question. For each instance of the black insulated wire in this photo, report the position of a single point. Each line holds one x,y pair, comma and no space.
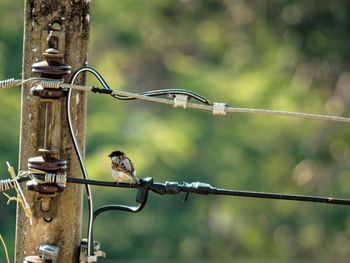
168,92
152,93
174,188
80,158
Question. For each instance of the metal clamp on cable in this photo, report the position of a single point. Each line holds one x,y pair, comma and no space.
180,101
202,188
143,189
219,108
172,188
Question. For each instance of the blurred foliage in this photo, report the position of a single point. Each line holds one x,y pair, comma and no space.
285,55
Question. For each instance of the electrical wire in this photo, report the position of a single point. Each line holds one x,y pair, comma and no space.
80,158
151,93
149,96
174,188
168,92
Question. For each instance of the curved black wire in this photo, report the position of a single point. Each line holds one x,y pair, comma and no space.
163,92
75,143
80,158
151,93
142,196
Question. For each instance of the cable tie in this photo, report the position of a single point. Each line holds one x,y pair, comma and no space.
219,108
180,101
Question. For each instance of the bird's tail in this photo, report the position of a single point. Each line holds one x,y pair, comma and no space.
135,178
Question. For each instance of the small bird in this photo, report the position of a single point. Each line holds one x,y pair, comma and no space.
122,167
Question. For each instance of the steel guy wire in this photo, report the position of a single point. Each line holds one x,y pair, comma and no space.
149,96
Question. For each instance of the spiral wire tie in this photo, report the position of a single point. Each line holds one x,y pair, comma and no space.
55,178
51,84
5,185
219,108
8,83
180,101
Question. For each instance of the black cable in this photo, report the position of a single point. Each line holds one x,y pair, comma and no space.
80,158
163,92
201,188
141,198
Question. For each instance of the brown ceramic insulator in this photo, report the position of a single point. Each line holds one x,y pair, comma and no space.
51,67
48,93
45,188
47,164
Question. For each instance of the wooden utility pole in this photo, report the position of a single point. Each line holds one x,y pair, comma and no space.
71,19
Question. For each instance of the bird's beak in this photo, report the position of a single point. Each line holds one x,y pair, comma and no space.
109,155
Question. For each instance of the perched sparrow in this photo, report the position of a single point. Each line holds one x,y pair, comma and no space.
122,167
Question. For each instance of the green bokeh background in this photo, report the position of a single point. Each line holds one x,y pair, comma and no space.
283,55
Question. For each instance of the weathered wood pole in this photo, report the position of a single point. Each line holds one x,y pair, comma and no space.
64,231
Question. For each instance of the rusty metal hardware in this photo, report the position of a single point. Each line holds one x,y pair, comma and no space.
49,252
54,44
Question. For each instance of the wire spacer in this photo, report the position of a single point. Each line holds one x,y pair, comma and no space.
180,101
219,108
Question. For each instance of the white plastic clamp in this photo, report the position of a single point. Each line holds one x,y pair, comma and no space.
180,101
219,108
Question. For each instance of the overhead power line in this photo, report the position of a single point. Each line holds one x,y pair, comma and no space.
181,98
173,188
